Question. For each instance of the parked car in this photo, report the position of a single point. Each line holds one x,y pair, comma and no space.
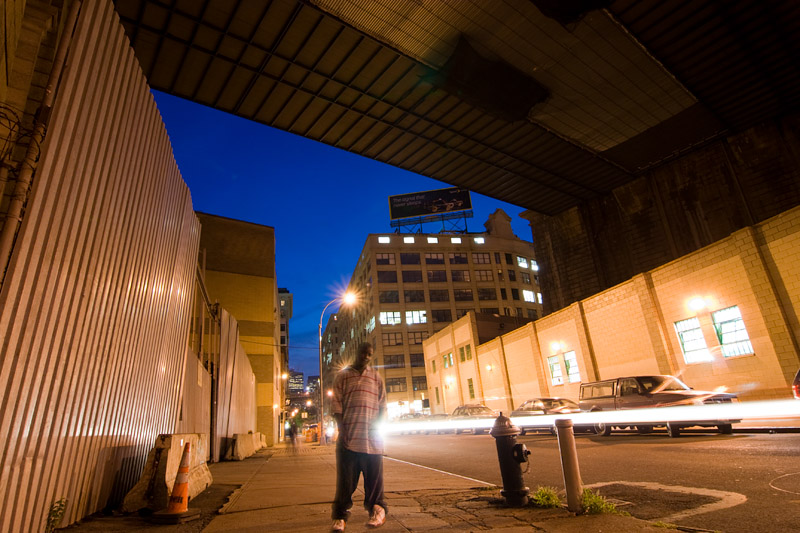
543,406
475,412
435,420
407,418
636,392
796,385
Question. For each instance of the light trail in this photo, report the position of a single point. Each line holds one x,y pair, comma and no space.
724,413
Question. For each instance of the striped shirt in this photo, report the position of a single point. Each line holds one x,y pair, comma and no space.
361,400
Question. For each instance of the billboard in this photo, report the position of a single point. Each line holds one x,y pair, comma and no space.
418,204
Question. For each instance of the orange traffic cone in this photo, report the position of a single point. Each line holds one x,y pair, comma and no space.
178,508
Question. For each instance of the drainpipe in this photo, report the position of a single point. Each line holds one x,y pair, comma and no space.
28,164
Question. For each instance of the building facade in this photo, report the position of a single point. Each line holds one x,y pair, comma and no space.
411,285
296,382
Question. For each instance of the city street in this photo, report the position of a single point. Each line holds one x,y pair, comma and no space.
762,467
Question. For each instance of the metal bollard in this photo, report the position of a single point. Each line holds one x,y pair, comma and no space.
569,465
510,455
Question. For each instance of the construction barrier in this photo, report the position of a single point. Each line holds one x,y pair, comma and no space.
178,508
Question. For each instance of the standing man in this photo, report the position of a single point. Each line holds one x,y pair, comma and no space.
359,404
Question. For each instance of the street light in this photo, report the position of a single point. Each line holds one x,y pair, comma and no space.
348,298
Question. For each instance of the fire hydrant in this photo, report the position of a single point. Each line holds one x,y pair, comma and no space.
511,456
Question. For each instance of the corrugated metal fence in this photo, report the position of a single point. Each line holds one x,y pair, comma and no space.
95,306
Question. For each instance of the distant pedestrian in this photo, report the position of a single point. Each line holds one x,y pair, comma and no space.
293,435
359,404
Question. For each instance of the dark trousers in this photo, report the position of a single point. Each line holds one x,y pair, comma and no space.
349,466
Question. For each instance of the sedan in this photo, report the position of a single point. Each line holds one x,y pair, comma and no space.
543,406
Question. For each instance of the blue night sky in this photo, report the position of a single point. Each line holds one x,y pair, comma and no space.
322,202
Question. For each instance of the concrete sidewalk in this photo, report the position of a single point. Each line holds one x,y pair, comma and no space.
288,491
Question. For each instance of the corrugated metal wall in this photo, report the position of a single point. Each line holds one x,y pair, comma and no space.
94,309
195,413
236,388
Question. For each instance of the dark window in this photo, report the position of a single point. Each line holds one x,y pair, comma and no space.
409,259
509,259
481,258
471,389
417,359
462,295
458,258
419,382
497,257
503,294
487,294
439,295
512,275
441,315
462,312
414,296
460,275
434,259
392,339
461,354
416,337
412,276
526,277
396,385
387,276
394,361
536,278
384,259
490,310
532,314
388,297
483,275
437,275
515,294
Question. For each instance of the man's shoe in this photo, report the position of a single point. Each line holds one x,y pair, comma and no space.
377,517
338,525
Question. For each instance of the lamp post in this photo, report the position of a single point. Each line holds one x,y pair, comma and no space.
348,298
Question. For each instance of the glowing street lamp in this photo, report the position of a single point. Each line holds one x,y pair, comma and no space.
347,298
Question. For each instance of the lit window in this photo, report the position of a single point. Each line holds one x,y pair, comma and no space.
479,240
534,265
416,317
522,262
390,318
481,258
731,332
384,240
555,371
692,342
384,259
455,240
528,296
433,240
573,372
539,296
483,275
371,325
408,240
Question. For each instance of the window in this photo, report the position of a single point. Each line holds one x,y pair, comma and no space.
447,359
394,361
412,276
534,266
483,275
490,310
437,395
384,259
536,278
441,315
471,389
515,294
433,366
487,294
459,275
461,312
481,259
419,382
434,259
555,370
461,354
435,276
497,257
731,332
468,350
509,259
392,339
457,258
416,337
628,387
503,294
414,296
526,277
370,325
528,296
512,275
433,240
439,295
692,342
390,318
387,276
416,317
396,385
384,240
409,259
455,240
533,314
479,240
522,262
408,240
389,297
417,360
462,295
539,296
573,372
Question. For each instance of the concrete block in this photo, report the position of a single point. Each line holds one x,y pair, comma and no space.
155,486
244,445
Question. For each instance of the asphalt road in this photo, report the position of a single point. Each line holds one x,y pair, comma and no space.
764,468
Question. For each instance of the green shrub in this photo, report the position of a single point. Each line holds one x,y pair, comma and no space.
55,514
546,497
593,503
